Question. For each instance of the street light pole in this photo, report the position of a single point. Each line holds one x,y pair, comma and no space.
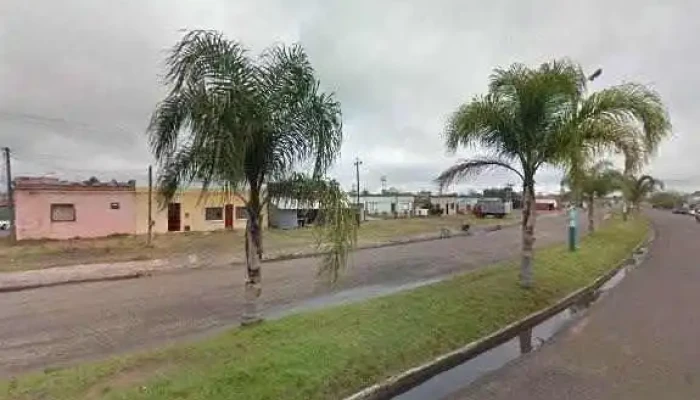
573,214
357,176
10,195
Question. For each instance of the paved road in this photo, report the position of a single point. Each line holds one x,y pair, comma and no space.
65,324
640,342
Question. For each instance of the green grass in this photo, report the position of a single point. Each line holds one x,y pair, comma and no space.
331,353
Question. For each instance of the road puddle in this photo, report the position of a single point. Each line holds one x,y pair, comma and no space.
447,383
456,379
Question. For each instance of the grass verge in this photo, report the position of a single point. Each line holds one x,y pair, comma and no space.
331,353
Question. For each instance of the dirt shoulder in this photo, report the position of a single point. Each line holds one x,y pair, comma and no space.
210,247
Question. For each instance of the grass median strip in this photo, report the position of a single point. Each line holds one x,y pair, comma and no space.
334,352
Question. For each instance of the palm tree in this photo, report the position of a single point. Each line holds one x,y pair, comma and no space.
593,183
243,125
535,117
636,189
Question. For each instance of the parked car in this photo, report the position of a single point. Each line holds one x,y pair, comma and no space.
4,225
680,210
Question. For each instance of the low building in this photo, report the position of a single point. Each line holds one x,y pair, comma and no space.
447,203
401,204
49,208
546,204
465,204
189,210
290,214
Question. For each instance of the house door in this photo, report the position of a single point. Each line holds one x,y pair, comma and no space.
228,216
174,217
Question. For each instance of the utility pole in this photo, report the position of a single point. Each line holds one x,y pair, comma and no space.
357,175
10,195
150,204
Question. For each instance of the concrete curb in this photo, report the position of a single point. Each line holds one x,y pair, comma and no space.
413,377
19,288
280,257
482,230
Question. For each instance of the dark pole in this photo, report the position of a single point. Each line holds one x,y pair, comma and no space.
357,175
10,195
150,204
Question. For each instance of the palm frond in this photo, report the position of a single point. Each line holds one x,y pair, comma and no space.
473,167
336,223
636,189
596,180
631,104
487,122
304,123
650,182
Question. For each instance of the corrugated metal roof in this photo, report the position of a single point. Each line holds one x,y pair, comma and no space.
50,183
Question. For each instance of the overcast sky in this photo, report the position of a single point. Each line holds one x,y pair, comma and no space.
80,78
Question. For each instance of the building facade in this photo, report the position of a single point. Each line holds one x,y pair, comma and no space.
192,211
49,208
446,203
387,204
290,214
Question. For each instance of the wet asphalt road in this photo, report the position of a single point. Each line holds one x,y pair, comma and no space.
640,342
62,325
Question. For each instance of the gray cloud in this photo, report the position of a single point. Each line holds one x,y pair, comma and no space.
79,79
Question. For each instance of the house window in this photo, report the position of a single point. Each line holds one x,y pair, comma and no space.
62,213
114,206
241,213
214,213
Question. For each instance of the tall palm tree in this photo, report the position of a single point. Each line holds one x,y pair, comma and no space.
636,189
593,183
243,125
535,117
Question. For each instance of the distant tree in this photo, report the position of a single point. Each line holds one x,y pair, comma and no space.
473,193
593,183
666,200
92,181
637,189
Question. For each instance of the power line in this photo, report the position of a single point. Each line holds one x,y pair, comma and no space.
53,121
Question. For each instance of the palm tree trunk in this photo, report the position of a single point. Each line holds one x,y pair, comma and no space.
591,214
253,252
528,235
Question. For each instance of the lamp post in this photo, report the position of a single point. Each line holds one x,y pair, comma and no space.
573,222
360,209
573,212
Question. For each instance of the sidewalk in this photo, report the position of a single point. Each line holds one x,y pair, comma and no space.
640,342
32,279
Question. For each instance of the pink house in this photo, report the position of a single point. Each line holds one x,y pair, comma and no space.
49,208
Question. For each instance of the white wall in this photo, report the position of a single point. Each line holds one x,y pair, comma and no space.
382,204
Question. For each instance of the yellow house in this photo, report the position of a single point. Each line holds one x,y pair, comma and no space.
189,211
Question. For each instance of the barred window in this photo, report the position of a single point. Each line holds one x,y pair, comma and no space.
213,213
62,212
241,213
